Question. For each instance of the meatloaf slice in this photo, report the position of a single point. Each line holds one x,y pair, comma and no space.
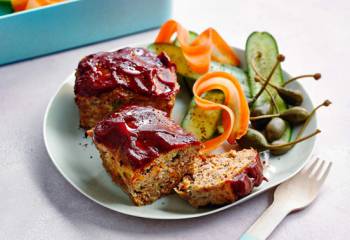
221,179
107,80
144,151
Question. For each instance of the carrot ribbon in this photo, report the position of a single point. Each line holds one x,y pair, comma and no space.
235,110
209,45
21,5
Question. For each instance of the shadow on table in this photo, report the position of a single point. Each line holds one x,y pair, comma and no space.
83,213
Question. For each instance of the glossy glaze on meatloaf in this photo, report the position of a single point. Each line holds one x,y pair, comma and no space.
222,178
107,80
144,151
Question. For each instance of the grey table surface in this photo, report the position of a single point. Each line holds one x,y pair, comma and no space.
38,203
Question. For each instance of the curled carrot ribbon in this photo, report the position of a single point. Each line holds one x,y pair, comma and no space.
235,110
21,5
209,45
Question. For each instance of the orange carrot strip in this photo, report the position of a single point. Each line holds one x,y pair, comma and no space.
33,4
235,110
209,45
40,3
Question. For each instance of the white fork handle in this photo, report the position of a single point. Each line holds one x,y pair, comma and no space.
266,223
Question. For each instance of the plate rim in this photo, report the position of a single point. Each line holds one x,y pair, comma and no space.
159,217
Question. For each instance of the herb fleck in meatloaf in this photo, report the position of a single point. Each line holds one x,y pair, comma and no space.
221,179
107,80
144,151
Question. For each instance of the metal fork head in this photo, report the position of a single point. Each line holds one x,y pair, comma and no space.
303,188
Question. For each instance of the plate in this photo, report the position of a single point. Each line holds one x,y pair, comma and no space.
77,159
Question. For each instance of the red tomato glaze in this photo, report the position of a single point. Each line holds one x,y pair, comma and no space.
143,133
251,177
135,69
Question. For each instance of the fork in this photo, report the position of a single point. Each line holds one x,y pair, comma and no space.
294,194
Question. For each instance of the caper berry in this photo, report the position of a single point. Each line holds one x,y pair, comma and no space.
281,150
291,97
275,129
253,139
295,115
261,110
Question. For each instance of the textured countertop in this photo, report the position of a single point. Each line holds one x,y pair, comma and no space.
38,203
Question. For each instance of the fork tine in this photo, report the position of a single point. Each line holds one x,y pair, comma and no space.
317,172
325,174
307,170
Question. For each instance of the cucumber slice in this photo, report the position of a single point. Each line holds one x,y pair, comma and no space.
265,43
203,123
186,73
235,71
176,56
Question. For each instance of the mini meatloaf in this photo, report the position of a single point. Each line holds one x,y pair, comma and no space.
107,80
221,179
144,151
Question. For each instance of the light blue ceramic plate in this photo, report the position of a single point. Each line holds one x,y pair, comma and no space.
78,161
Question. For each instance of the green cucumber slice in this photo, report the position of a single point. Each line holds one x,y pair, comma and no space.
265,43
203,123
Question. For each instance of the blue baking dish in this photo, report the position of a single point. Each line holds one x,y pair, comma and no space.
74,23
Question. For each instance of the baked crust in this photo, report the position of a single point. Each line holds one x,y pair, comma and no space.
93,109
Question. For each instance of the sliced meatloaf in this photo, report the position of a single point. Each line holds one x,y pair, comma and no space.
107,80
221,179
144,151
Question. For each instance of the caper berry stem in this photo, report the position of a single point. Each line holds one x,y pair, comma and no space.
264,116
271,96
298,140
262,81
255,69
291,97
326,103
315,76
280,58
272,100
